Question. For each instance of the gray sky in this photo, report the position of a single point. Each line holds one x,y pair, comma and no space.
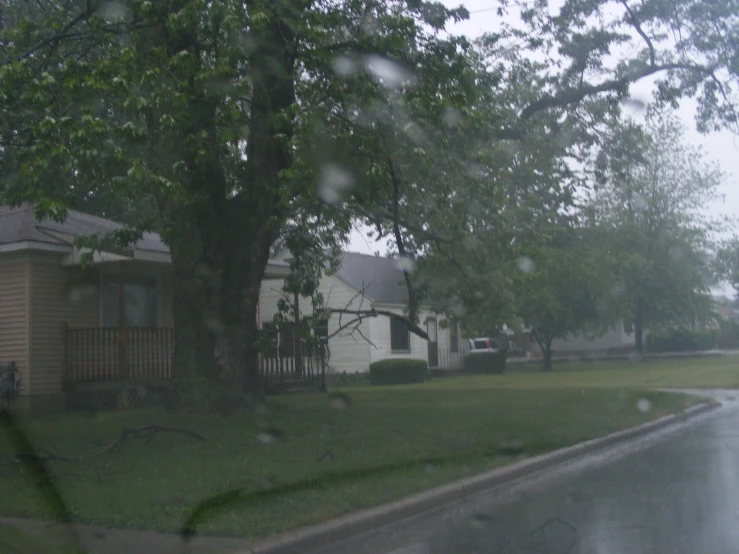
721,147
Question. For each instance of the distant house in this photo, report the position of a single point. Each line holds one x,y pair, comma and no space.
365,282
62,324
614,341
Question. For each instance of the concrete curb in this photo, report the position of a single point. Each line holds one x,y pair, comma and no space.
351,525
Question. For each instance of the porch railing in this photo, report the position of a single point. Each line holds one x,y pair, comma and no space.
290,372
449,360
94,354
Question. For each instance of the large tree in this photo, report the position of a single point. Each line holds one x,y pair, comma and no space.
650,203
209,112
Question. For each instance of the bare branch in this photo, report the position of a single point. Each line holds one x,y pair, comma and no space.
642,34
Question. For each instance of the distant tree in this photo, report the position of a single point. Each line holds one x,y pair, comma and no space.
559,287
649,201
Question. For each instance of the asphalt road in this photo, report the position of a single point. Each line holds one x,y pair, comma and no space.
672,492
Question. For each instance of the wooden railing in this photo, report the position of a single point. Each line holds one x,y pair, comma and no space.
95,354
289,372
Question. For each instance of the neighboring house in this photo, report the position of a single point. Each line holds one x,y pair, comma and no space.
59,322
614,341
364,282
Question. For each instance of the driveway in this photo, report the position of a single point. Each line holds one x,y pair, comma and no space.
674,491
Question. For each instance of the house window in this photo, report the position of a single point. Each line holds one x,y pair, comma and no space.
321,330
454,337
139,301
400,336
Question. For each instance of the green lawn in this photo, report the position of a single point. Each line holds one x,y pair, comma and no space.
302,458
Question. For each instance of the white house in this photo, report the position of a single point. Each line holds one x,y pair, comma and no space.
364,282
614,341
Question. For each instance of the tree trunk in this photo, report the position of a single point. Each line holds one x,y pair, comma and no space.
195,342
546,363
639,329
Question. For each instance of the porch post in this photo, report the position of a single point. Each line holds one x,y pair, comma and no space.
122,352
297,349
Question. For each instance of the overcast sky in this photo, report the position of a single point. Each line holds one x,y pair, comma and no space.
721,147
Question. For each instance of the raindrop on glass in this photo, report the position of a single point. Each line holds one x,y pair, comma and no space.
387,72
113,12
643,405
639,202
450,117
405,263
676,253
480,521
268,436
415,133
344,66
525,264
634,106
471,242
340,401
334,182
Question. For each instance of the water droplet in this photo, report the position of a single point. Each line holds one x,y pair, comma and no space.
413,548
334,182
340,401
480,521
405,263
269,436
676,253
640,203
369,24
633,105
525,264
450,117
387,72
113,11
344,66
81,293
471,242
415,133
457,308
215,326
643,405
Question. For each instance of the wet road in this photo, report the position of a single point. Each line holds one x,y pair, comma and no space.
676,491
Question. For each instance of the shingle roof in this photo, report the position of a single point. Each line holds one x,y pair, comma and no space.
381,278
20,224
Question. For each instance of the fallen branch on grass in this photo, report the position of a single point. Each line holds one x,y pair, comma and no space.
146,432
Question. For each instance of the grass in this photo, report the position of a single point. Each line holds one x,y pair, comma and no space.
304,458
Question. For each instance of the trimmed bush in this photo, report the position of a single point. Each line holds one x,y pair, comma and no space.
729,337
485,362
398,371
683,340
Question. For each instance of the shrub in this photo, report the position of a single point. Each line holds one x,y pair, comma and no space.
398,371
729,337
485,362
683,340
344,379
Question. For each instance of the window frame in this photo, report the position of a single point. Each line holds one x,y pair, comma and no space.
454,337
393,348
108,277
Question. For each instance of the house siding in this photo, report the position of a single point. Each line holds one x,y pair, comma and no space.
58,295
380,337
14,317
614,338
349,353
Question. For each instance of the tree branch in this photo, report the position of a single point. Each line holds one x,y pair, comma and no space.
574,95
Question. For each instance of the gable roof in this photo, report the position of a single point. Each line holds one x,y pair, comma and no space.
20,230
20,225
381,278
